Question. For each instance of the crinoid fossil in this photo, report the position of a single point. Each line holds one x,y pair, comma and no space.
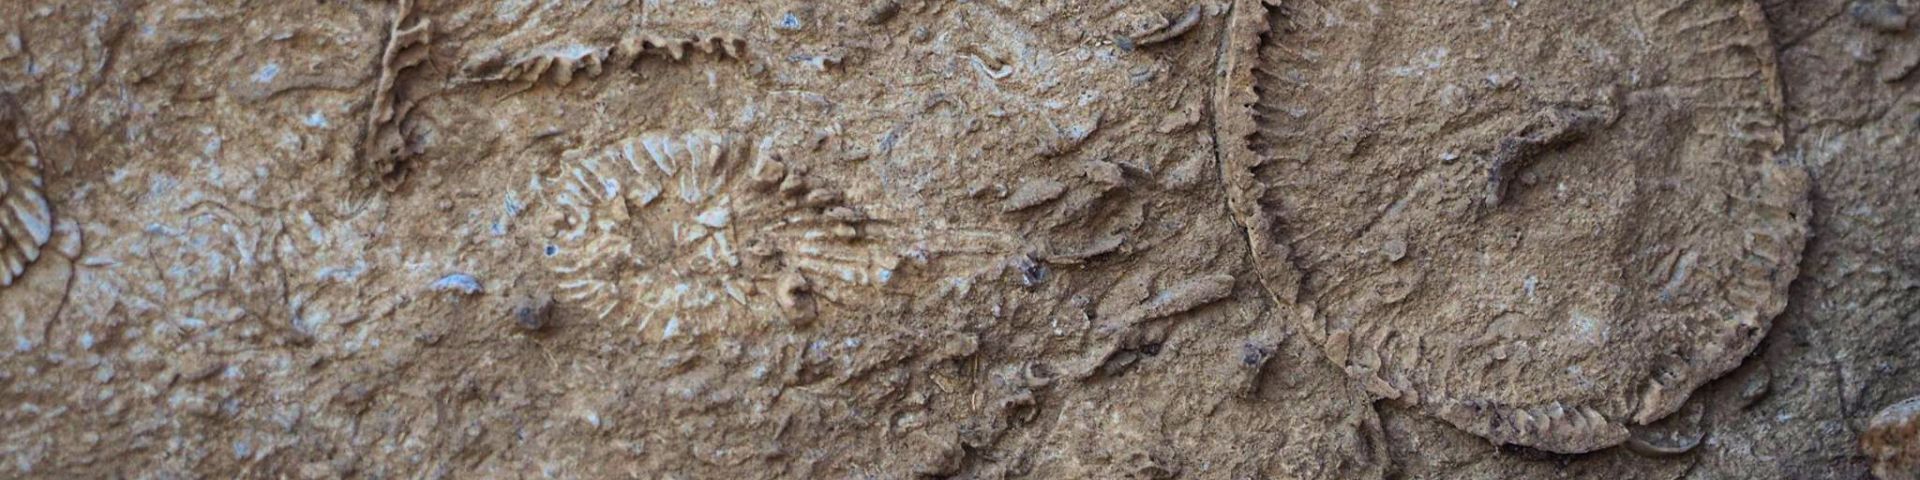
37,248
26,220
385,144
561,63
1543,238
696,231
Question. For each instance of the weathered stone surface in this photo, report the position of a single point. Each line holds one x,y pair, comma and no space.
1892,441
913,238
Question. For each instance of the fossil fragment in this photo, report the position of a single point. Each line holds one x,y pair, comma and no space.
679,179
563,62
632,49
1676,435
678,233
37,249
1665,447
1100,246
1551,128
26,220
1643,238
560,64
385,142
1174,299
1170,31
461,283
1033,193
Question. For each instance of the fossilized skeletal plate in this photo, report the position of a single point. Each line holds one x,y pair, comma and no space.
692,230
26,222
1539,221
690,180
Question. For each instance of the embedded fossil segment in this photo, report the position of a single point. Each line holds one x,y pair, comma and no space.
245,305
26,221
560,64
385,143
684,233
662,206
1541,238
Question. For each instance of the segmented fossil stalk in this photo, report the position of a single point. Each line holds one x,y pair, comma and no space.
559,65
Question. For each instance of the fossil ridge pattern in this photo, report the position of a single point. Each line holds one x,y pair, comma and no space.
385,142
560,63
26,220
703,231
1540,248
916,238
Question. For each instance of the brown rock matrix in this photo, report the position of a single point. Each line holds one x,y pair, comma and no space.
1892,441
979,239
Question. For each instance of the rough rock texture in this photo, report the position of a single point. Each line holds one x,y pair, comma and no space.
914,238
1892,440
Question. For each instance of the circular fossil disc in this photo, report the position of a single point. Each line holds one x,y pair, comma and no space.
1539,221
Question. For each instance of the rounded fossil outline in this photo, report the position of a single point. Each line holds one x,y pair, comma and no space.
601,189
1761,233
685,232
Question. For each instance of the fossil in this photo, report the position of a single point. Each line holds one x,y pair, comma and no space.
561,63
1170,31
26,221
384,143
460,283
690,232
1539,246
904,238
1033,193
